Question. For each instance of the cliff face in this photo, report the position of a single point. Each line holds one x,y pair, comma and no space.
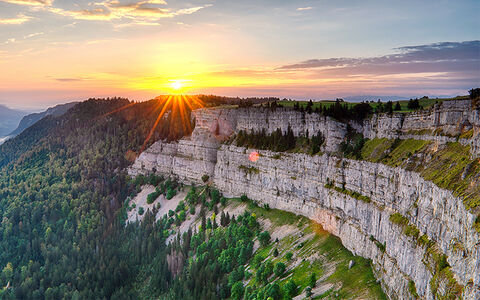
352,199
296,183
445,122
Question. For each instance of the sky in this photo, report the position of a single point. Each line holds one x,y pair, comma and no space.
55,51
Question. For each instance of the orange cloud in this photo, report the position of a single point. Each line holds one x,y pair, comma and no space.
142,12
20,19
30,2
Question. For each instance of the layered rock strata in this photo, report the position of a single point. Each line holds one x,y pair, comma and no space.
305,185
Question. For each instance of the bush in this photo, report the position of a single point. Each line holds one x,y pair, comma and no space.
279,269
290,289
223,201
237,290
312,280
153,196
215,196
141,210
264,238
205,178
289,255
257,260
170,193
244,198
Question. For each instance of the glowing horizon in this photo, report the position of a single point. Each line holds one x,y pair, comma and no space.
52,52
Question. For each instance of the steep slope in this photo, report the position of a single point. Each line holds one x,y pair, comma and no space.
31,119
9,119
295,250
62,184
421,235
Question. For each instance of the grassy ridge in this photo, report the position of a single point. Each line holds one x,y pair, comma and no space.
310,240
448,166
424,102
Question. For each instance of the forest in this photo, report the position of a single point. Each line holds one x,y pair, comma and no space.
62,186
280,141
64,194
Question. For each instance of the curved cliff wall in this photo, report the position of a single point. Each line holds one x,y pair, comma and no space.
444,122
297,183
354,200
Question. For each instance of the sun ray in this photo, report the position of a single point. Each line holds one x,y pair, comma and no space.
116,110
152,130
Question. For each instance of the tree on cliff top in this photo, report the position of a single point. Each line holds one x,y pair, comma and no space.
475,97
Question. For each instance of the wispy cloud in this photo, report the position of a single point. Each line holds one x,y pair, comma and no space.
31,35
446,56
20,19
304,8
30,2
146,12
70,79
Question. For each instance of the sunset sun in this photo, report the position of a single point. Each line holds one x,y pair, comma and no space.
176,85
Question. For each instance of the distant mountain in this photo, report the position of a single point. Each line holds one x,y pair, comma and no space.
9,119
31,119
374,98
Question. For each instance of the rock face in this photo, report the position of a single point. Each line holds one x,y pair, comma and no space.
367,194
444,122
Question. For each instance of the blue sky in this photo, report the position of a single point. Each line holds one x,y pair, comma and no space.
56,51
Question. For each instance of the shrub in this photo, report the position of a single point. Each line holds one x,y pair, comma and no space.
264,238
257,260
170,193
398,219
290,288
237,290
141,210
312,280
223,201
205,178
244,198
412,288
153,196
279,269
289,255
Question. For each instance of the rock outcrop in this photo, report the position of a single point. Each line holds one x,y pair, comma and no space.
351,199
444,122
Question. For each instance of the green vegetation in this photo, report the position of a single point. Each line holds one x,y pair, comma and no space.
379,245
353,194
301,271
474,95
153,196
352,145
249,169
412,288
63,191
318,106
448,166
280,142
434,259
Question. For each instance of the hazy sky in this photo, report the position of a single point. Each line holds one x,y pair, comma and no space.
54,51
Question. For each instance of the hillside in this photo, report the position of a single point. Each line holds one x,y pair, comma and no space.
9,119
284,256
31,119
400,189
384,206
62,183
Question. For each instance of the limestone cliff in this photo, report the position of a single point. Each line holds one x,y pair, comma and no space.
354,200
